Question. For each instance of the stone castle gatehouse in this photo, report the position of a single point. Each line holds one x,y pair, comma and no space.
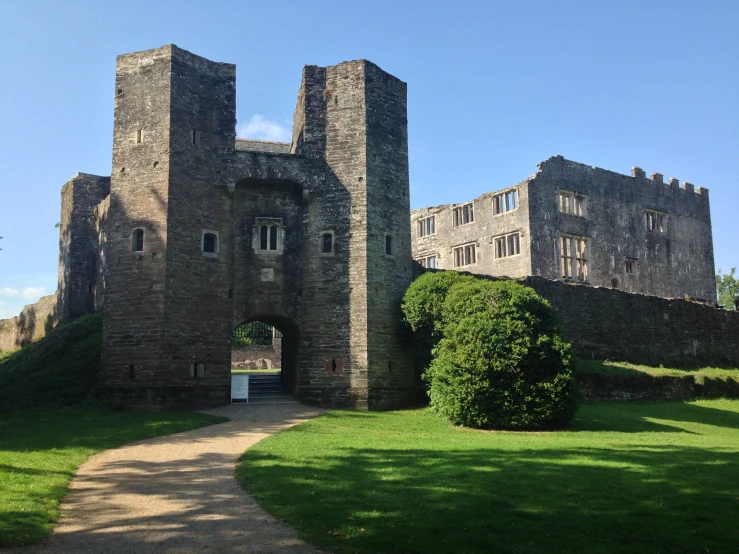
196,232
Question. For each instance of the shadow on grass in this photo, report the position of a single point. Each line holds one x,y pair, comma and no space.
639,418
438,495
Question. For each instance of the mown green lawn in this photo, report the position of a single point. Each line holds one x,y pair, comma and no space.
628,478
40,451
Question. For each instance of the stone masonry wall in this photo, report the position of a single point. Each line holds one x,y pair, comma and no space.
78,244
32,324
604,323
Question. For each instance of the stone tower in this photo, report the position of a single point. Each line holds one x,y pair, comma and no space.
354,116
167,305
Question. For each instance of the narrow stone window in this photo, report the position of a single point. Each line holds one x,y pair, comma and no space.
334,367
273,237
137,240
209,243
131,372
507,245
327,243
465,254
388,245
139,136
197,370
194,137
656,221
505,202
427,226
268,236
463,215
630,266
573,254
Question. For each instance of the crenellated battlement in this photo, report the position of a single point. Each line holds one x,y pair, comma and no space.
673,184
637,173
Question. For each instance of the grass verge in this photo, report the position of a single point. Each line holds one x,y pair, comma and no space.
630,478
625,369
40,450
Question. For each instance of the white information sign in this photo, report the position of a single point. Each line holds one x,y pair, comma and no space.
239,387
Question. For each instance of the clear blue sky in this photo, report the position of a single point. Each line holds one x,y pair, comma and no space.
493,89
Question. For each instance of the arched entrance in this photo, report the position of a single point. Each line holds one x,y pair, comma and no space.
267,346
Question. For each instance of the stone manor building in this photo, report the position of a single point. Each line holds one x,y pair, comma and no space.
579,223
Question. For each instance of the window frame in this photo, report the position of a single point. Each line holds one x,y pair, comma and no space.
426,226
655,221
458,214
321,243
217,243
574,257
134,240
502,245
423,261
389,245
576,203
499,201
466,252
274,230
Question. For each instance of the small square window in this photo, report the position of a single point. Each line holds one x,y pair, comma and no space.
656,221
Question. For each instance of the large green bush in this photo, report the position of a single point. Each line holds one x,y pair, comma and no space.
498,360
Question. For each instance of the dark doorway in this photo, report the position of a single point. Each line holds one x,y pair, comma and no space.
267,346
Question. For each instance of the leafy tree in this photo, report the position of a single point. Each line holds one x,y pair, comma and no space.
498,360
727,289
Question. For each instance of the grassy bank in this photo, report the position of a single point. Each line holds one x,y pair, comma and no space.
40,451
625,369
59,370
630,478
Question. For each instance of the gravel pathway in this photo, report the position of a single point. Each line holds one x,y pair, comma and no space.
176,494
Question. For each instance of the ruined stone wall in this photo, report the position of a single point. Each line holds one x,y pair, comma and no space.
78,244
604,323
101,227
674,263
248,357
32,324
482,232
